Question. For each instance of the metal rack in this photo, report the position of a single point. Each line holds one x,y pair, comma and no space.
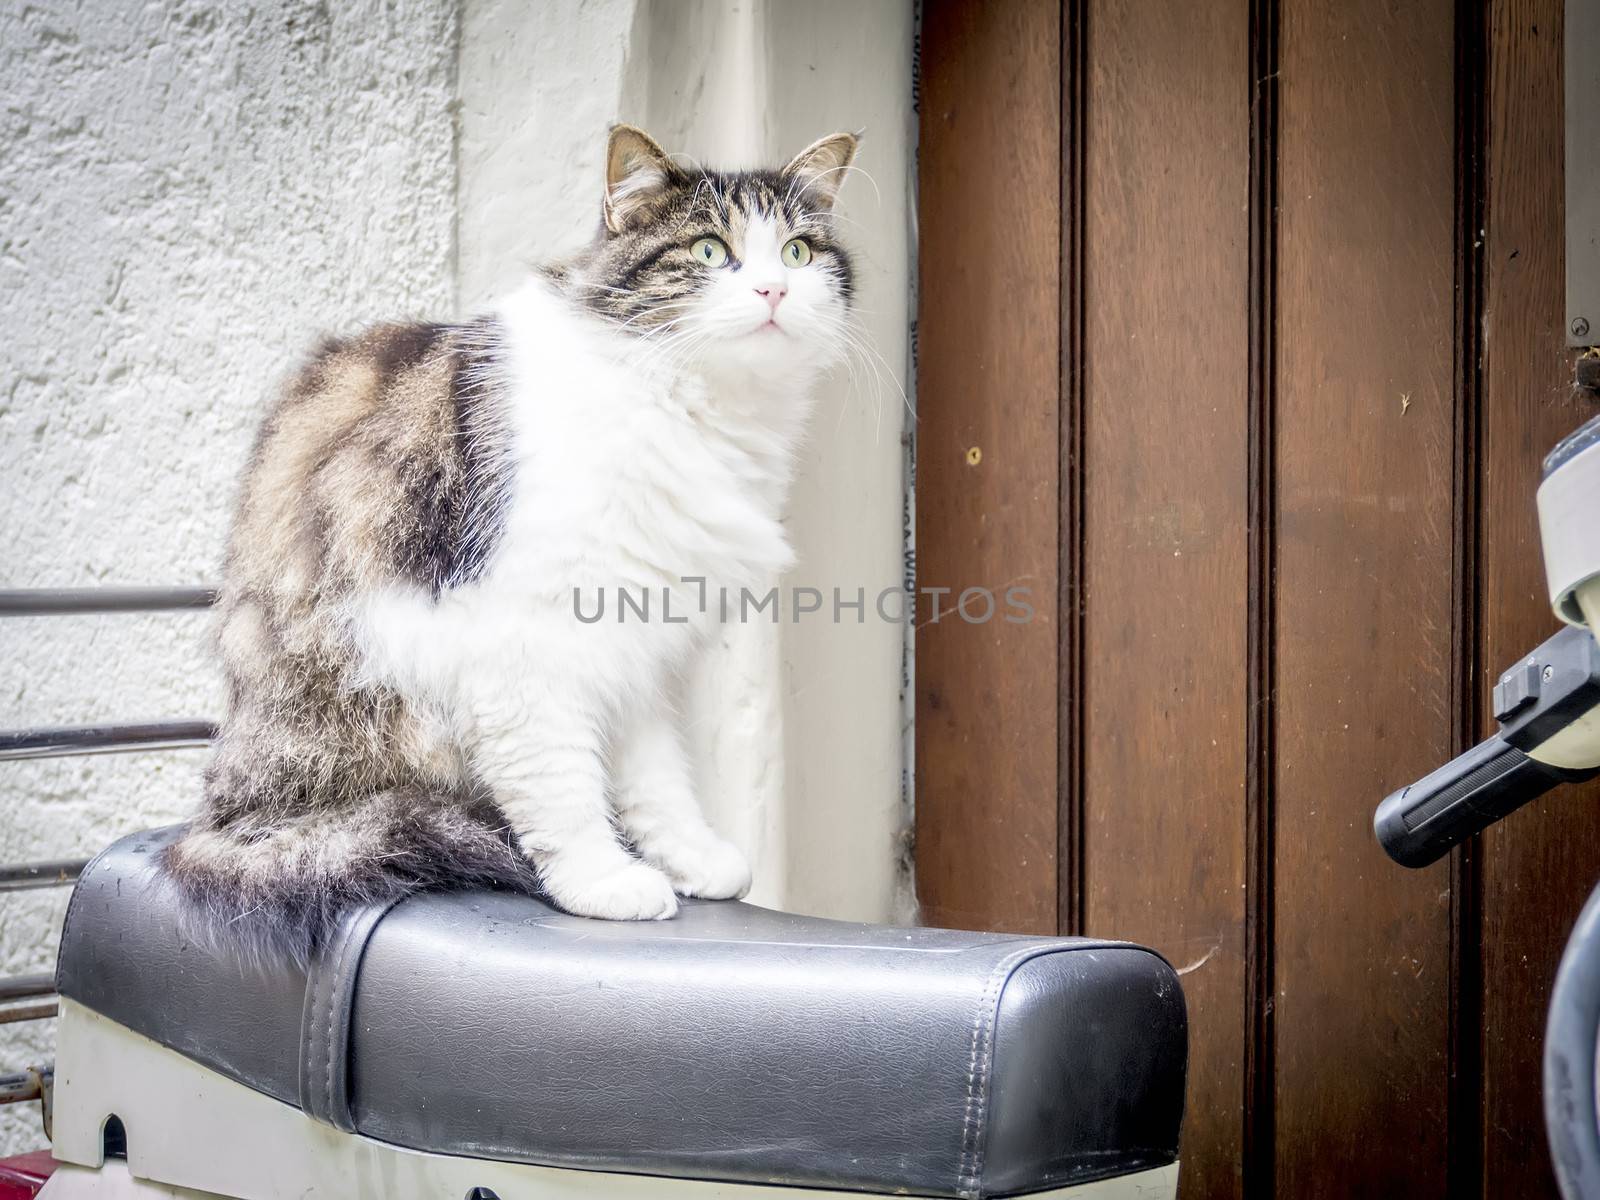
33,997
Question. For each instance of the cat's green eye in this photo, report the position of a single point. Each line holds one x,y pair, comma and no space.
796,252
710,251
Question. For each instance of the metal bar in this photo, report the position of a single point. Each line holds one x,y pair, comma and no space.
53,602
28,1012
25,1085
22,877
25,987
103,739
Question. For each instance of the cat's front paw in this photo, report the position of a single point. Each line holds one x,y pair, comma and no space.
711,868
634,891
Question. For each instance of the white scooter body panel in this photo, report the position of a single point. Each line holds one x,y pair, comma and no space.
192,1133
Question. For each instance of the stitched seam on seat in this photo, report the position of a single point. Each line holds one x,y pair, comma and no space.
333,990
354,934
308,1026
326,1048
969,1169
308,1055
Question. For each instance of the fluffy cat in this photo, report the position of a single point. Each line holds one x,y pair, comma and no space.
412,697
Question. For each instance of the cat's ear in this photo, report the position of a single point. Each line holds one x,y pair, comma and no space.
636,171
821,167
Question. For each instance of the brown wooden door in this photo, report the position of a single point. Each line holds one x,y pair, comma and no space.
1239,344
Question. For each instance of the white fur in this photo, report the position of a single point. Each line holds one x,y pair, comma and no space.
639,461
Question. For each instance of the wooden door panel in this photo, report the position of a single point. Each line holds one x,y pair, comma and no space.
1166,173
1252,310
987,461
1365,549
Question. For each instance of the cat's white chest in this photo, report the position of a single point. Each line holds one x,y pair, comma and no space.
700,494
641,489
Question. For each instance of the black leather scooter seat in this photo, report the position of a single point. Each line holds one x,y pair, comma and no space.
730,1043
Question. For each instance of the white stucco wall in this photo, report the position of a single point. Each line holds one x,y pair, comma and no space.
190,192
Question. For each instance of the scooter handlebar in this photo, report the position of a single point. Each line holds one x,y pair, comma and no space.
1420,823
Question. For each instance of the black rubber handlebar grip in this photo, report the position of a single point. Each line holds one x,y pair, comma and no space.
1418,824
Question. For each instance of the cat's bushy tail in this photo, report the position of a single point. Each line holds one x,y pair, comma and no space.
272,889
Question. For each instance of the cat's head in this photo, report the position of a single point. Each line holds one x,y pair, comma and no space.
743,267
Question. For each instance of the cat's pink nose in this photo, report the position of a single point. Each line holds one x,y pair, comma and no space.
772,295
